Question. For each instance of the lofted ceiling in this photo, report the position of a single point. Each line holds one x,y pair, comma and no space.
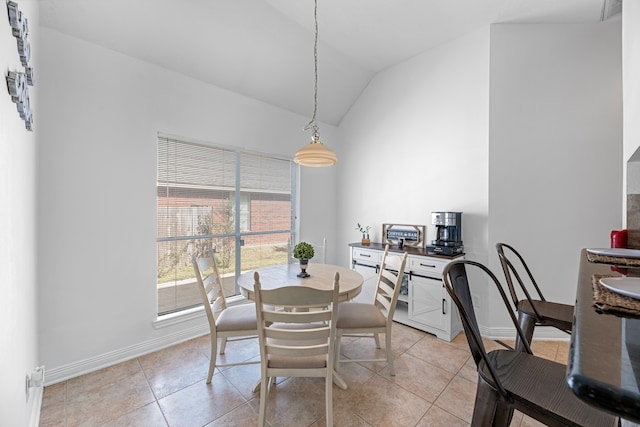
264,48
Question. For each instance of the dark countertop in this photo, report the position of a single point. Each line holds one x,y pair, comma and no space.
604,357
409,250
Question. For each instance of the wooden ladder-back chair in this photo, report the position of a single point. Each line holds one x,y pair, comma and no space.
356,319
224,322
320,249
514,379
296,340
532,311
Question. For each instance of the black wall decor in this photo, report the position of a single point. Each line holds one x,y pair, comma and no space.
18,82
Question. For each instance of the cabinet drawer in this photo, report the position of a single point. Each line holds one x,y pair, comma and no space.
429,266
367,255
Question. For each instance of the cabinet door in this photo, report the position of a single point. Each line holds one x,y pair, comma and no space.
426,301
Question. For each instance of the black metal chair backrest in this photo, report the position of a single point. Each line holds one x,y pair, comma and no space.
455,277
456,283
507,254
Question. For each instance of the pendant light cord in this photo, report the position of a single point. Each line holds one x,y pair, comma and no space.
315,154
312,124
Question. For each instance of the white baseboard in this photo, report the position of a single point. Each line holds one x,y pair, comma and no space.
72,370
36,405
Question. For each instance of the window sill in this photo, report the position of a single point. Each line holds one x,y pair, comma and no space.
191,313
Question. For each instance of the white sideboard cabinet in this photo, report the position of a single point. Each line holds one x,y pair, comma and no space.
424,302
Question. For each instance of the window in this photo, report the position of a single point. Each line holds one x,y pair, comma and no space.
245,211
239,203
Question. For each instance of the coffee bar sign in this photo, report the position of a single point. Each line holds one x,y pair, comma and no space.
404,235
18,82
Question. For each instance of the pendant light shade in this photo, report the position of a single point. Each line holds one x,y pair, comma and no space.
315,154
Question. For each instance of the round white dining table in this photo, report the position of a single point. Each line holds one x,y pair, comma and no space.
320,276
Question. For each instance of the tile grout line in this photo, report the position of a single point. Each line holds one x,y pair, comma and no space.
155,397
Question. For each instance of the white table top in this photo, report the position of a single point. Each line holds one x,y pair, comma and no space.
321,276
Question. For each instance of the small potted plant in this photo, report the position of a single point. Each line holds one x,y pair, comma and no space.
364,229
303,251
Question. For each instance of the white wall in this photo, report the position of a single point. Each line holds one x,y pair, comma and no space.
555,151
100,113
631,70
539,168
18,263
631,92
320,211
416,141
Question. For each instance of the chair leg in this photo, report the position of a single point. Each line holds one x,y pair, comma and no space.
223,345
212,358
528,324
328,399
336,356
489,409
377,338
387,339
504,414
271,382
264,391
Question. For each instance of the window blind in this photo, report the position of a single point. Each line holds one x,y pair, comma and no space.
239,203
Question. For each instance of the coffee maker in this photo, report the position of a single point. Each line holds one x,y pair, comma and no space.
448,233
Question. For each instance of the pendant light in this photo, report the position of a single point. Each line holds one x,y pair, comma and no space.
315,154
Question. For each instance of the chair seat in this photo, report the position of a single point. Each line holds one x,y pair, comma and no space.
237,318
540,383
560,315
353,315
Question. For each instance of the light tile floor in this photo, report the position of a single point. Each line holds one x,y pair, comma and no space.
435,385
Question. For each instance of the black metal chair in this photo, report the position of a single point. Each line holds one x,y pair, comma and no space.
514,379
532,312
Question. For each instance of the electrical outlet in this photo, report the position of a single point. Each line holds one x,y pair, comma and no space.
33,380
37,376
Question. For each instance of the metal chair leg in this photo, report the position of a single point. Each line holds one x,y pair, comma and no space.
489,409
528,323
